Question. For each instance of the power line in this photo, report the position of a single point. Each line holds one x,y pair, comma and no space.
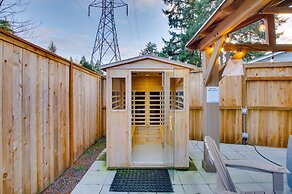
106,47
136,21
84,11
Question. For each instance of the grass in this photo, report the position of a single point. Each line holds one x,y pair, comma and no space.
79,167
192,166
102,157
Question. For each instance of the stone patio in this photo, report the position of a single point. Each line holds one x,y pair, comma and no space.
98,179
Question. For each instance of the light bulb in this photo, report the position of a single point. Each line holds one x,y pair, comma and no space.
262,26
228,39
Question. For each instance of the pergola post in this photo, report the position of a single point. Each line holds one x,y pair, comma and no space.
229,17
211,123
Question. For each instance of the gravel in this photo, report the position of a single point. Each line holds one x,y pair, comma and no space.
71,177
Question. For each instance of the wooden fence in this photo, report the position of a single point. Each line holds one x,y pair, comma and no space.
50,113
265,89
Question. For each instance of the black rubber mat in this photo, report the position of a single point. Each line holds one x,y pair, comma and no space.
141,180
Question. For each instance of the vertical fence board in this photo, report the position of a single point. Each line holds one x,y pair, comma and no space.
17,118
67,116
51,120
7,137
32,71
196,106
26,101
1,128
46,178
35,139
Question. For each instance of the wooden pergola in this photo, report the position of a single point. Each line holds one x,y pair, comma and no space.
229,17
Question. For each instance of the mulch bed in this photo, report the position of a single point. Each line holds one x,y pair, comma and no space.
71,177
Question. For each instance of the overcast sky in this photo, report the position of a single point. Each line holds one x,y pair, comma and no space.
65,22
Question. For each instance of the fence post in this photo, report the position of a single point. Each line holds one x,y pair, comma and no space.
71,114
244,105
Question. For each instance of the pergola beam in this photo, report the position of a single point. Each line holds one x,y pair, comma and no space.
277,10
270,31
213,60
246,9
247,22
257,47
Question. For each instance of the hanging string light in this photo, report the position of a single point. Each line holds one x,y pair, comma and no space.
228,39
262,26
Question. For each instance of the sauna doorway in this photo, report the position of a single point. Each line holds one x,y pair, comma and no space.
147,118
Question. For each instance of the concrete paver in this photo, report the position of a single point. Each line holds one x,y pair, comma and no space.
98,179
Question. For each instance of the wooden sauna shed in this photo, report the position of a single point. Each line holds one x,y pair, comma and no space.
147,115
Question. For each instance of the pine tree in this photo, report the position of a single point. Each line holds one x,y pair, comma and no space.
151,49
52,47
185,17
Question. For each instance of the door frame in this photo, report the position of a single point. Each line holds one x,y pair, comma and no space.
132,163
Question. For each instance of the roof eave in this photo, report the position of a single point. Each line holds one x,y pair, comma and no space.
196,38
140,58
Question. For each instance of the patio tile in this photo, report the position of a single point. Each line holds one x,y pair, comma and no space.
198,164
177,189
233,156
239,147
175,179
110,177
196,189
98,165
94,177
210,178
250,155
190,177
212,187
105,190
98,179
196,155
86,189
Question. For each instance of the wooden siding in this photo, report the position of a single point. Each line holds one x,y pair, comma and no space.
39,102
267,87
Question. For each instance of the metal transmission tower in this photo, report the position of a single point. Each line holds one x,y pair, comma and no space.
106,47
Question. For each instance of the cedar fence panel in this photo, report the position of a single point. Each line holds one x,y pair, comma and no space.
269,99
230,109
50,113
196,105
268,89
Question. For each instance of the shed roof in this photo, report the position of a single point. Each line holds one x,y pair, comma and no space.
232,15
150,57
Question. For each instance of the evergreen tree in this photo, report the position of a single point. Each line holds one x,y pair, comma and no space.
52,47
4,24
10,20
151,49
185,17
85,63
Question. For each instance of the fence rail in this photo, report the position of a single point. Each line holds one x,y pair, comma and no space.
50,113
